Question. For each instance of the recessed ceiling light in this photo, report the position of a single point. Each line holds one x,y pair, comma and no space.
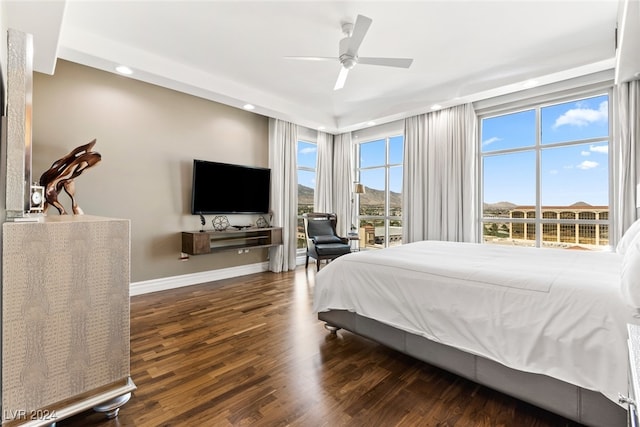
249,107
123,69
436,106
321,128
371,123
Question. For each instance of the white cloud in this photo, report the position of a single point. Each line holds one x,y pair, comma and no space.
604,149
585,153
491,141
583,116
308,150
587,164
553,172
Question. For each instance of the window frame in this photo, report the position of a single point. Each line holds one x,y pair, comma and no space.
307,140
387,217
538,104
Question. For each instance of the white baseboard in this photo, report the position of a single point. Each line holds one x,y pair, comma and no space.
165,283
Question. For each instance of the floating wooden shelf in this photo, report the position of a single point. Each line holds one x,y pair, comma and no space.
206,242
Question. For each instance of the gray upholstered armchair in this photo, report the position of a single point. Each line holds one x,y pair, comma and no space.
323,241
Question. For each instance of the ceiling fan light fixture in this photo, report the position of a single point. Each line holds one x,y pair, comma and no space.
349,62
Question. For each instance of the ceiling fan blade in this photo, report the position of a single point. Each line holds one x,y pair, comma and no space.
313,58
342,77
360,29
387,62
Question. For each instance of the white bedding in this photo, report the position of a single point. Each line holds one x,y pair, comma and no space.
557,312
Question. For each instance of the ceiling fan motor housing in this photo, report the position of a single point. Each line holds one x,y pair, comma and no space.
348,61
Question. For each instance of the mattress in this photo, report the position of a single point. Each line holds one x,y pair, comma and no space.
554,312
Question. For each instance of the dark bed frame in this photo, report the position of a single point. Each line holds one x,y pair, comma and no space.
575,403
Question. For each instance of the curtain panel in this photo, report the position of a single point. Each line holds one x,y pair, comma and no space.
343,182
439,190
627,154
323,195
283,139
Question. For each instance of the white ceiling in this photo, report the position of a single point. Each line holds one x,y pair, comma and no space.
233,51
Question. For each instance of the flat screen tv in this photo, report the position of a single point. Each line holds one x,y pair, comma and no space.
223,188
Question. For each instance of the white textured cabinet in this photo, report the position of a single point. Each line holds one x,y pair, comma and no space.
65,317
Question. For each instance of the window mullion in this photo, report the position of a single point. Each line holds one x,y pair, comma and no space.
387,190
538,179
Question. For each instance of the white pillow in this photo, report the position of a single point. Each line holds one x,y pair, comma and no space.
628,237
630,275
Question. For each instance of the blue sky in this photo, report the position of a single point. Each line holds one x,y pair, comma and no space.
307,154
568,174
371,154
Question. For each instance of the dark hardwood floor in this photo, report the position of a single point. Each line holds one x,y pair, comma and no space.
249,351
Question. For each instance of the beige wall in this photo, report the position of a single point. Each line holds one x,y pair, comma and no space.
148,137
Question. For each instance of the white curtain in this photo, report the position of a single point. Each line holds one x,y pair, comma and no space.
414,188
283,137
343,182
439,190
627,102
323,195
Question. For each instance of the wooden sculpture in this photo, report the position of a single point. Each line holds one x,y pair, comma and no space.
62,173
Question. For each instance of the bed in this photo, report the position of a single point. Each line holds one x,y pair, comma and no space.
548,326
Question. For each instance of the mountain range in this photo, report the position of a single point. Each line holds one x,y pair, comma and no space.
375,197
371,196
509,205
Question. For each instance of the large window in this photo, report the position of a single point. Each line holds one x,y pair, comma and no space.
306,160
545,175
379,209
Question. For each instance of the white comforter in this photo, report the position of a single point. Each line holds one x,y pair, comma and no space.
549,311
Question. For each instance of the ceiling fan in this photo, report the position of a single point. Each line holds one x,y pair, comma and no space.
348,51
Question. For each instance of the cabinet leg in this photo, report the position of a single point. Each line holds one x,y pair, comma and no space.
112,407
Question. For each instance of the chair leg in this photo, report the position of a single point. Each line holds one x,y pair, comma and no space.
317,265
306,264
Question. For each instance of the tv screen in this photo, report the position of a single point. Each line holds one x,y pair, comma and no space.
226,188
